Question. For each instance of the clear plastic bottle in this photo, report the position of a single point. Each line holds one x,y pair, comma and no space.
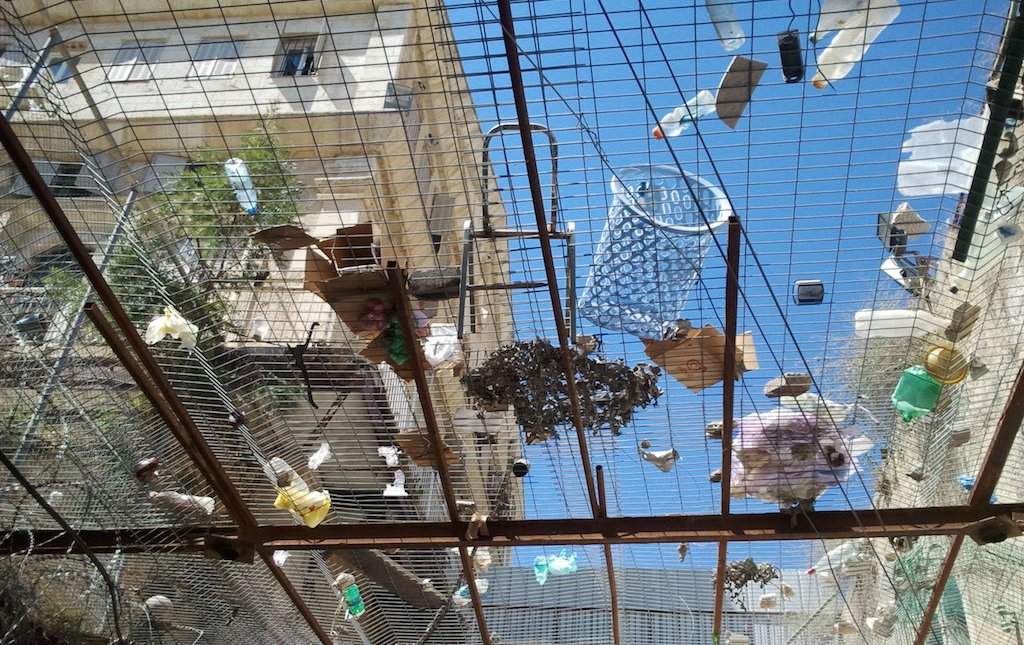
675,122
238,174
727,23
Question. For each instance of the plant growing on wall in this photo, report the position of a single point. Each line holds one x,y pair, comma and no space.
193,238
530,377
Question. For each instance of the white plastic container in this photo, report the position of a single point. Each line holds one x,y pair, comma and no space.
727,23
678,120
897,323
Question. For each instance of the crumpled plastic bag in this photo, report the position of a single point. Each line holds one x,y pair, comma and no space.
859,23
665,460
942,158
462,597
397,487
181,502
787,455
293,495
554,565
173,324
322,454
442,346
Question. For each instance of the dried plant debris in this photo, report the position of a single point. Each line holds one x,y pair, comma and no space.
529,376
740,573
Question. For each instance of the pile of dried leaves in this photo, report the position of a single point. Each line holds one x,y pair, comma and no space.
529,376
740,573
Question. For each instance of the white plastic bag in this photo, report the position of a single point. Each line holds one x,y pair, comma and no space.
442,346
861,28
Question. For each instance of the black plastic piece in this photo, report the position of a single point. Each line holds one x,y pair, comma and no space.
792,56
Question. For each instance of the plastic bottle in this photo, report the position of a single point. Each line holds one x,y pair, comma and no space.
916,393
853,41
346,582
897,323
727,23
241,181
675,122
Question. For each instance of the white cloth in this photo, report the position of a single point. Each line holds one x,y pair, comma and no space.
942,158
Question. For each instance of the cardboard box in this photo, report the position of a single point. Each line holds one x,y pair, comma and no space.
697,359
341,269
416,445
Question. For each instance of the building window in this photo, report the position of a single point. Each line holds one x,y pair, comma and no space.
67,180
297,56
12,56
61,71
216,58
134,61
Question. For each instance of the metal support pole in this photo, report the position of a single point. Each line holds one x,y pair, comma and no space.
37,66
613,591
467,257
732,288
1010,51
403,309
999,448
296,598
938,589
745,527
544,234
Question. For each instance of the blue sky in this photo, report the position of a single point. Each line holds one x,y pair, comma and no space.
807,170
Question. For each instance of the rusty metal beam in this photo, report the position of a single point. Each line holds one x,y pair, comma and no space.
753,527
732,290
613,591
296,598
406,321
999,448
940,586
196,444
167,402
515,72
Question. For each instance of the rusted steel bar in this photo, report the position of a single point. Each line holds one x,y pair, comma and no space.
732,290
753,527
212,471
613,591
296,598
403,310
544,235
207,461
999,448
940,585
403,307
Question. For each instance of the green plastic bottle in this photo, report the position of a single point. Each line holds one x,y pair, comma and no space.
350,592
916,394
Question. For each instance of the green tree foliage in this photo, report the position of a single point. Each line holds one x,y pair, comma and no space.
194,240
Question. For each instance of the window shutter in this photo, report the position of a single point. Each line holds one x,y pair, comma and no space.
205,59
227,60
149,55
123,63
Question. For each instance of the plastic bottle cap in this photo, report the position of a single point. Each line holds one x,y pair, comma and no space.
657,133
820,84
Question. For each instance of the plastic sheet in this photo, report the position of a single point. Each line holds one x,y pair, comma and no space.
861,23
942,156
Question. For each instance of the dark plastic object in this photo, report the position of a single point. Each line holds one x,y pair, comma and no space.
520,467
792,56
808,292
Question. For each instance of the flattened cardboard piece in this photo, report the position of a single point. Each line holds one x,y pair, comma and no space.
416,445
377,352
318,269
286,238
697,359
351,246
737,87
351,294
962,321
